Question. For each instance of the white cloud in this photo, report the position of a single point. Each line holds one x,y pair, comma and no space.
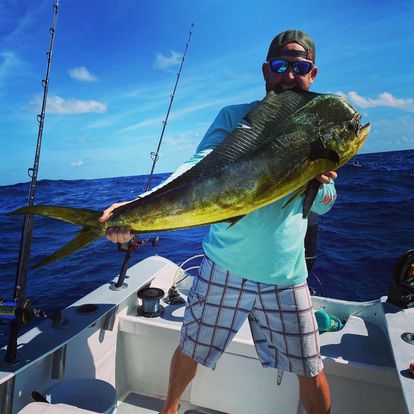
82,74
385,99
77,164
163,62
58,105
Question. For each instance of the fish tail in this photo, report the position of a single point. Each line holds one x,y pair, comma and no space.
82,239
78,216
91,230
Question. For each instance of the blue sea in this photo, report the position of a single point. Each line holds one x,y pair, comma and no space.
360,239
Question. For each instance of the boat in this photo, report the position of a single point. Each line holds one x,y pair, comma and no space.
111,350
122,345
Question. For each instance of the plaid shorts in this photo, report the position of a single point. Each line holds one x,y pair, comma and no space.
281,319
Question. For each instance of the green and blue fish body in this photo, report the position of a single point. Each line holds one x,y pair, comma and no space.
286,141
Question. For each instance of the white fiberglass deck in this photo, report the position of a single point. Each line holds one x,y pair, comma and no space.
133,354
133,403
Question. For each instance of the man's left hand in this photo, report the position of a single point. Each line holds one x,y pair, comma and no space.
324,178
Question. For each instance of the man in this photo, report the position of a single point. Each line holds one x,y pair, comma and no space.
256,266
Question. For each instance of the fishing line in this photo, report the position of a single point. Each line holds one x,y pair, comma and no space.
319,281
155,154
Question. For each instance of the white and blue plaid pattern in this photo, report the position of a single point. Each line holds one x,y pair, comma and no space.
281,320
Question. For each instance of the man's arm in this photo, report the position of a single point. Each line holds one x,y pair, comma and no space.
326,196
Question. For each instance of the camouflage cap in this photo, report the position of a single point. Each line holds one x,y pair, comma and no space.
289,36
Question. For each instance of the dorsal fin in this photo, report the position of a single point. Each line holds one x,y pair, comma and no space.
279,106
271,111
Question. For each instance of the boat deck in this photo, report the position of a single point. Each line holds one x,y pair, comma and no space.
133,403
132,353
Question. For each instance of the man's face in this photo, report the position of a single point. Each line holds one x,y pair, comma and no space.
279,82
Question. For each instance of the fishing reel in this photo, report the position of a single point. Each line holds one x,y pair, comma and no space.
401,292
136,242
19,313
129,248
23,312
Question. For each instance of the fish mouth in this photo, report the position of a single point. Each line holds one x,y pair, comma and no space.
362,134
355,143
363,131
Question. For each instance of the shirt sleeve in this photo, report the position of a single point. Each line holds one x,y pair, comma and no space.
325,198
218,131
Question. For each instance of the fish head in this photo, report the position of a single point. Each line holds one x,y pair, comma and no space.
340,128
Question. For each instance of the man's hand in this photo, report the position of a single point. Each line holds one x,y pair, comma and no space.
324,178
115,234
118,234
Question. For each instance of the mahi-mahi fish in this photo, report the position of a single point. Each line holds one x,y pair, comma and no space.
280,147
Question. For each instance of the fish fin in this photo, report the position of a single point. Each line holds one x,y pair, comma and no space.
88,219
77,216
310,194
280,106
261,121
295,196
234,220
83,238
325,154
319,152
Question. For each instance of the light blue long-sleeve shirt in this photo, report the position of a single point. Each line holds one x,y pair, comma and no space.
267,245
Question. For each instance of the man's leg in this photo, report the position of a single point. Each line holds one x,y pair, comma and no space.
217,305
182,371
314,394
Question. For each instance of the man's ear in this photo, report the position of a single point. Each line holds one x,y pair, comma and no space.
314,72
265,71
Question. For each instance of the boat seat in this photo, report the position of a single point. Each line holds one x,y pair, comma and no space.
46,408
74,397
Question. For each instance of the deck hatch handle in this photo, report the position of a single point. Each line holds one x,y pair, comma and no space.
408,337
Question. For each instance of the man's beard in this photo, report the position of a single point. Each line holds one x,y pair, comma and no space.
279,89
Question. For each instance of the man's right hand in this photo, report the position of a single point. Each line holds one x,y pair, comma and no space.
115,234
118,234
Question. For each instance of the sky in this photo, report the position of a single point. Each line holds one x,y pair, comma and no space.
115,64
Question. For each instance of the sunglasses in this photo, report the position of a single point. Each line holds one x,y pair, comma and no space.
300,67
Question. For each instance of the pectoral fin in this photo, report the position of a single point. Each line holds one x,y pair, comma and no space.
234,220
310,194
320,152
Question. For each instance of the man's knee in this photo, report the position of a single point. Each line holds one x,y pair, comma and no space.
183,360
314,382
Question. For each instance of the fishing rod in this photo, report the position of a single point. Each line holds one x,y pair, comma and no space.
135,242
155,154
22,307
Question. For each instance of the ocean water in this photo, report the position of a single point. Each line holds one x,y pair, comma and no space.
360,239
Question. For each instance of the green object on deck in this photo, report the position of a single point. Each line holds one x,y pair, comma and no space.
327,322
